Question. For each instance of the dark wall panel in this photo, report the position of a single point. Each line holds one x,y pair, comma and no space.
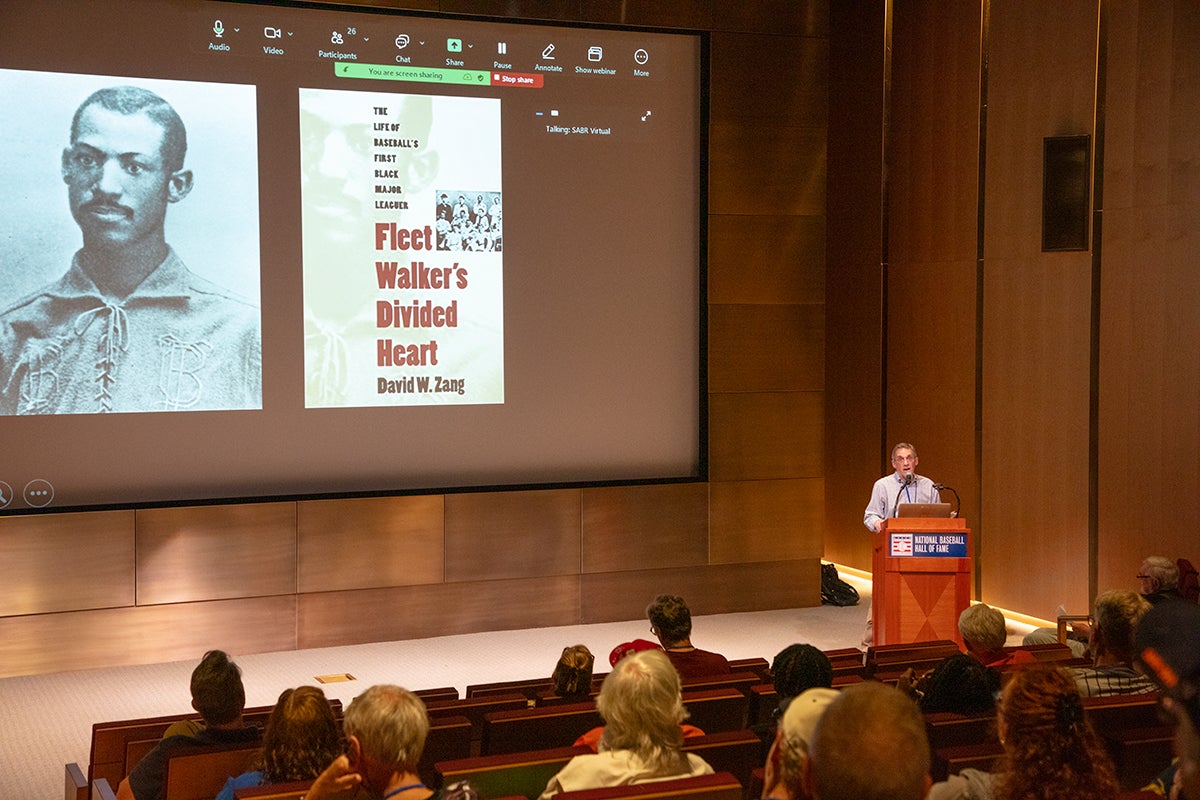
41,558
1150,295
370,542
196,553
628,528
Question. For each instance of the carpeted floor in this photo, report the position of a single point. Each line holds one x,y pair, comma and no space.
47,719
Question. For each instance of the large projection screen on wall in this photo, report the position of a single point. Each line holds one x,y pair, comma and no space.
256,251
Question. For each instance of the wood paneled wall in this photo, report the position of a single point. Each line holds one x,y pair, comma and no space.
1149,442
1076,435
126,587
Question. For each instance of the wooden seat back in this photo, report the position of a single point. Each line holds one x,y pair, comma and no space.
888,662
736,752
946,729
759,666
449,738
716,710
1121,711
742,681
524,774
718,786
200,773
948,761
538,728
475,709
118,746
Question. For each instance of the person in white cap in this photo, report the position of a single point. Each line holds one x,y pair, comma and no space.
785,761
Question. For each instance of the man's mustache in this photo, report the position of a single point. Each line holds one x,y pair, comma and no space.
107,207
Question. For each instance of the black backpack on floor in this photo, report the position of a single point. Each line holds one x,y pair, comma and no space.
834,590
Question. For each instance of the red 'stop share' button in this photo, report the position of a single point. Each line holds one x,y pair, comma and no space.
522,79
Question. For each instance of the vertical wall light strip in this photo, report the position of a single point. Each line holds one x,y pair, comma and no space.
980,202
884,191
1094,345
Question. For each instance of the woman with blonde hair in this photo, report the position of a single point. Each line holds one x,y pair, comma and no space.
642,708
1051,751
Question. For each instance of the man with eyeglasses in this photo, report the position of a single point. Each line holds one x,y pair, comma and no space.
889,492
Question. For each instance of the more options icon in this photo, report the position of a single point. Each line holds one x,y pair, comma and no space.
39,493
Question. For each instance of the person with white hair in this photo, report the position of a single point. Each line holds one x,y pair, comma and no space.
642,707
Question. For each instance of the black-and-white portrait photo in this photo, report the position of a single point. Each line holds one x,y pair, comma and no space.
129,246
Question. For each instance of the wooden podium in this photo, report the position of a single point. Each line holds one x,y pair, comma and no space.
922,579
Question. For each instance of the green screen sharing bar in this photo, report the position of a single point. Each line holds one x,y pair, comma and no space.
388,72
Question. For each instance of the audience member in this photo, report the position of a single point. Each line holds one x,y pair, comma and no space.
218,694
642,708
1168,650
671,622
572,676
959,684
385,729
796,668
1158,580
870,744
784,772
300,740
1051,751
1116,613
984,633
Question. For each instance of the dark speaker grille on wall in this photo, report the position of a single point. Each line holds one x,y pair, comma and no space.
1066,171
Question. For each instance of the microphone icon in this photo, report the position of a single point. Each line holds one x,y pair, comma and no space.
218,28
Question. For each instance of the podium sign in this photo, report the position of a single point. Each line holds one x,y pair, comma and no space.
922,579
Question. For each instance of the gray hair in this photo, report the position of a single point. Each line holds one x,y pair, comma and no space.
642,707
983,625
1162,570
390,724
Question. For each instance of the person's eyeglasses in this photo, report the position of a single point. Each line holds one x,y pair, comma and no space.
1142,577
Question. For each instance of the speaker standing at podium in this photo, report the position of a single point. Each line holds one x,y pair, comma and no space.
902,486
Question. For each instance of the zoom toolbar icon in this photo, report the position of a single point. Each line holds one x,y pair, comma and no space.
454,45
402,41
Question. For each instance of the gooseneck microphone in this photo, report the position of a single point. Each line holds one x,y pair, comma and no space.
907,479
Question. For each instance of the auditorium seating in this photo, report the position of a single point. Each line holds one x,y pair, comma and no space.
736,752
449,738
1139,744
200,774
524,774
718,786
475,709
538,728
759,666
887,662
118,745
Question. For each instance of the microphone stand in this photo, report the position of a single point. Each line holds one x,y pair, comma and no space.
957,500
909,479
